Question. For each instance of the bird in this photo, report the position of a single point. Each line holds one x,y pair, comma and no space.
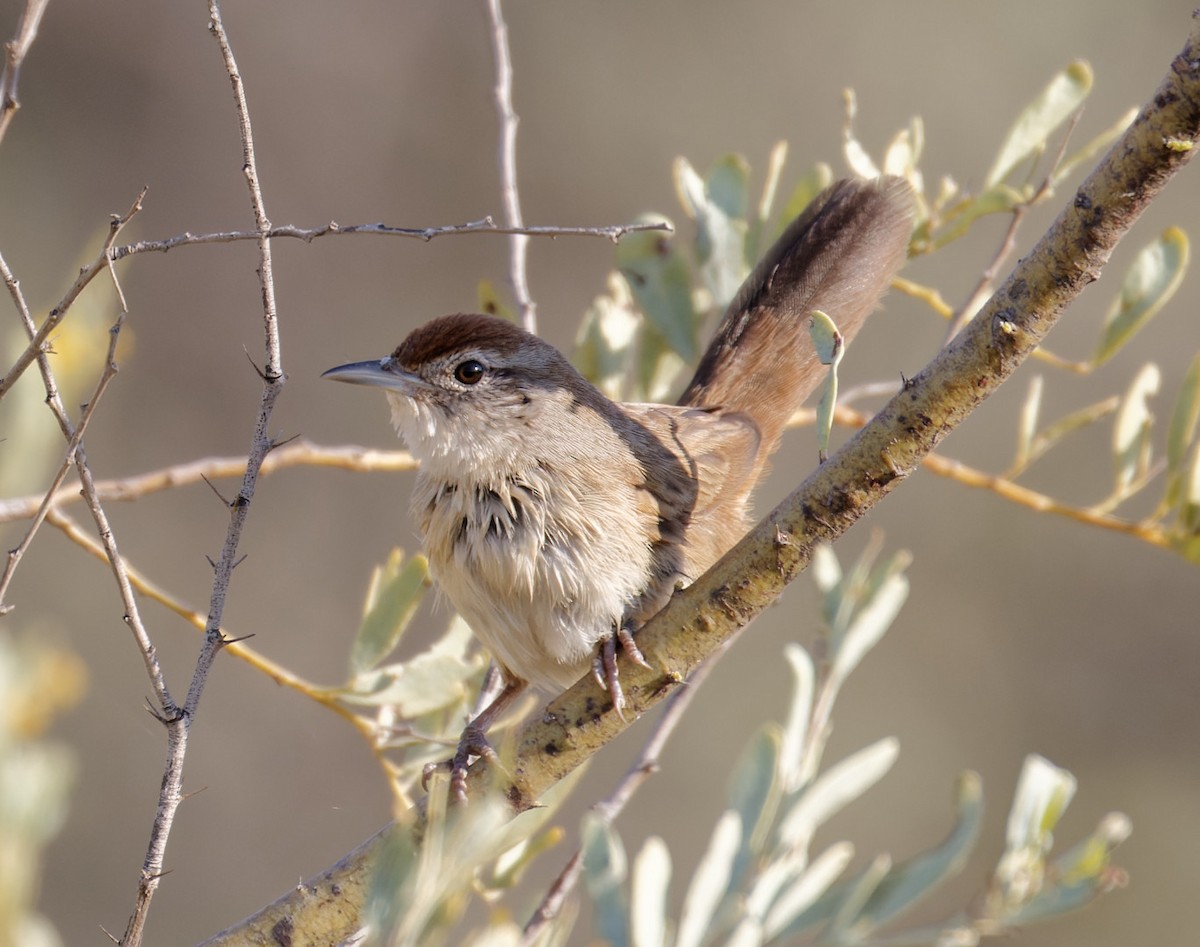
558,521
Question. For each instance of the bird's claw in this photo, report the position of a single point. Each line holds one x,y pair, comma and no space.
472,742
604,664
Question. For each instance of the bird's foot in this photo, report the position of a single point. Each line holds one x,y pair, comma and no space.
604,664
473,742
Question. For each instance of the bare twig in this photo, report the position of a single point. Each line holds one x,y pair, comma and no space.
298,453
486,225
15,51
506,160
37,342
73,444
987,279
179,722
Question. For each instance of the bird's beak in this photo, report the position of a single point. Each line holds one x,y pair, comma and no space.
378,373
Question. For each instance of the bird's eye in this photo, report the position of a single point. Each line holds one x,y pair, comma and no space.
469,372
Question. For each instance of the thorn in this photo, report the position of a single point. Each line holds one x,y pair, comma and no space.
285,441
220,496
241,559
253,364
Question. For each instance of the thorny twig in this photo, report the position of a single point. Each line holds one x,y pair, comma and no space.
506,160
178,721
15,51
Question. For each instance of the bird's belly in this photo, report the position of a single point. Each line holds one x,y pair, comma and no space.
538,598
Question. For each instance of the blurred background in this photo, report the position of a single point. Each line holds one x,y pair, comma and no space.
1023,633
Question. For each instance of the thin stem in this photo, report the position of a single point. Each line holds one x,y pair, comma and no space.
15,51
179,722
506,159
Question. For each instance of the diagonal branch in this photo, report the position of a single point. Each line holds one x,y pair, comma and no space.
15,51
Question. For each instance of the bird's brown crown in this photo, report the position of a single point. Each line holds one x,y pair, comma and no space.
465,330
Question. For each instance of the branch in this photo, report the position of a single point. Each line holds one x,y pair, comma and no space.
37,342
296,453
178,720
613,232
506,159
699,619
15,51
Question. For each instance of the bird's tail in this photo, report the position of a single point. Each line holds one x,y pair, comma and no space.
838,256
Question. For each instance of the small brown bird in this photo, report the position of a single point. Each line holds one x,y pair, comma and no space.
558,521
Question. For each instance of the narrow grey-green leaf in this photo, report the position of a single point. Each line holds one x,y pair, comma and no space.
830,346
1151,280
1046,439
800,895
1183,418
710,881
604,870
808,187
1191,502
795,729
870,623
648,895
396,602
1063,95
834,789
718,203
1028,421
605,343
1090,151
1131,431
754,789
660,280
911,880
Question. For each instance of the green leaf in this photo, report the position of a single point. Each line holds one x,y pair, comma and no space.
757,225
904,150
833,790
658,365
1151,280
795,730
1190,503
1183,419
718,203
396,591
1043,793
605,870
1131,432
808,187
996,200
1045,440
856,155
754,789
661,283
870,623
830,346
1062,96
1088,153
1027,425
648,902
605,343
803,892
911,880
710,881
